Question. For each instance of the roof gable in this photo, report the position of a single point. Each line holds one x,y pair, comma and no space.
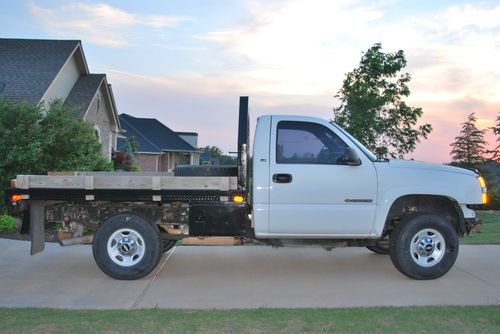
152,135
28,66
84,91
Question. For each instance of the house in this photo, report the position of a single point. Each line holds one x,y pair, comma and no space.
40,71
160,148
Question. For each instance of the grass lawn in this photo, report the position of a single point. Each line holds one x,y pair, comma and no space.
478,319
489,232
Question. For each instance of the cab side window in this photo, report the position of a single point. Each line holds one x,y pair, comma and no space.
308,143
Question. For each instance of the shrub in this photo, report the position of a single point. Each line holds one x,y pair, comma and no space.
7,223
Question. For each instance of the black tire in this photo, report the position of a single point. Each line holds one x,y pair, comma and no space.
147,244
424,246
378,249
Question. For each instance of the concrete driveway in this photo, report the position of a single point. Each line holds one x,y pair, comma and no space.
241,277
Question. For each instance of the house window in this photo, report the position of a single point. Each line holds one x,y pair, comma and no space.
308,143
97,133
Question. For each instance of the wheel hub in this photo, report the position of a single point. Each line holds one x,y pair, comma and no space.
427,247
127,246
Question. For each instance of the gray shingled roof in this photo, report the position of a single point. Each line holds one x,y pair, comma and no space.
83,92
152,135
28,67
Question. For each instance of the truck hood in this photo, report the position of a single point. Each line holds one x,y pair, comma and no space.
410,164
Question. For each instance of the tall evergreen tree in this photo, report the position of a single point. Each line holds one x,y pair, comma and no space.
496,150
468,147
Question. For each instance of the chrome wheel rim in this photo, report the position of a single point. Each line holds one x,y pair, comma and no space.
427,247
126,247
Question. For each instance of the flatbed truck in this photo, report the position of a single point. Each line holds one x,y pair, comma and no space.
307,183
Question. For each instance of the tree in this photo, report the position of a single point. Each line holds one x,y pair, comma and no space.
468,147
68,143
496,151
127,159
372,107
217,153
213,151
34,141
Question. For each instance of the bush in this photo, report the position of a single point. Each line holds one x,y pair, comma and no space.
35,140
7,223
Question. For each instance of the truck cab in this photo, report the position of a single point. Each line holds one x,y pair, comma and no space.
312,179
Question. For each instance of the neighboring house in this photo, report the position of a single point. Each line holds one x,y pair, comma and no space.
160,149
40,71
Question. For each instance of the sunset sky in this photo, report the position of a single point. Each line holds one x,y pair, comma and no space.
186,62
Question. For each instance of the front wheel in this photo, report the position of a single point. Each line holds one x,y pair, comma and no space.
126,247
424,246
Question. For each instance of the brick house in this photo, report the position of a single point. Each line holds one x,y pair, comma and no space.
40,71
160,148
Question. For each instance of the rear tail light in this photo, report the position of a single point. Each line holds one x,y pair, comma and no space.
16,198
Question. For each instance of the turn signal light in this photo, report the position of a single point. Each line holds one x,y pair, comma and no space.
16,198
484,198
238,199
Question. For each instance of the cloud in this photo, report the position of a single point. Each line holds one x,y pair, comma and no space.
291,58
100,23
297,47
304,48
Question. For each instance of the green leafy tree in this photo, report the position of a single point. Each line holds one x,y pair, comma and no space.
214,151
372,105
468,147
69,143
217,153
34,141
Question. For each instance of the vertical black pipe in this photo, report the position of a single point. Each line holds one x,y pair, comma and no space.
243,143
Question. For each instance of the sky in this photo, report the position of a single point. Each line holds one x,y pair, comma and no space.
186,62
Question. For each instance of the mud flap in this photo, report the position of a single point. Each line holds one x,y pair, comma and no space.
37,228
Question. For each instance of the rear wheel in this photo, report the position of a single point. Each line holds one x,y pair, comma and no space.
126,247
424,246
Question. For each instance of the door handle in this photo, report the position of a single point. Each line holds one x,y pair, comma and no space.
282,178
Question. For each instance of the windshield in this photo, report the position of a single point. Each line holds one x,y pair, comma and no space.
367,152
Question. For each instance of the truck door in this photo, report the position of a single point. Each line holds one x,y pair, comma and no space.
312,191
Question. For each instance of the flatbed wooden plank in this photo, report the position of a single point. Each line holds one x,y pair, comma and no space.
52,182
127,182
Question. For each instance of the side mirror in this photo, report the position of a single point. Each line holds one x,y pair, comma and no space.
351,158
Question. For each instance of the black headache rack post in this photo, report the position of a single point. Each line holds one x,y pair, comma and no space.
243,143
212,208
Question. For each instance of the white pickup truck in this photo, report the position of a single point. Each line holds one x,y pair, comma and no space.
312,184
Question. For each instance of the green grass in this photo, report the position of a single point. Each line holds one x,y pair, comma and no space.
489,232
477,319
